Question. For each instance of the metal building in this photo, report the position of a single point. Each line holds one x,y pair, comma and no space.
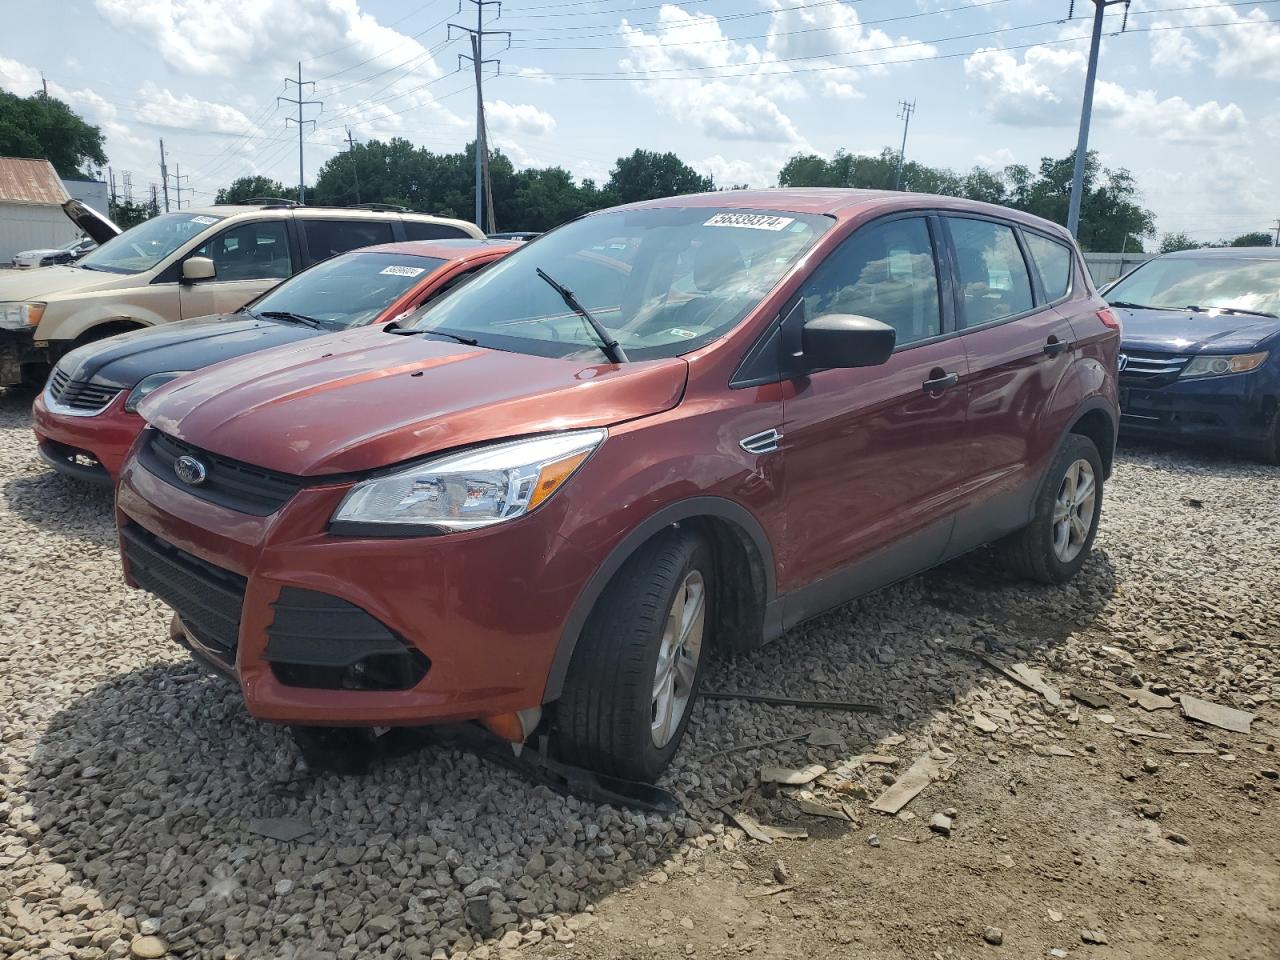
31,198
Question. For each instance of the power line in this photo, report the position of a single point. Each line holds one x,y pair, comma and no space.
347,46
300,103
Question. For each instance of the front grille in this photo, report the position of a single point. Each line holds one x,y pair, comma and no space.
319,640
228,483
206,597
1151,369
79,394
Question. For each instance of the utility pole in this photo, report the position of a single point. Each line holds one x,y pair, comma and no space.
111,181
905,110
355,168
164,177
300,103
44,85
178,177
1086,108
478,33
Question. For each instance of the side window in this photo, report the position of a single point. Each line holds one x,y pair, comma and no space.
1053,259
449,284
884,271
328,238
257,250
421,230
994,282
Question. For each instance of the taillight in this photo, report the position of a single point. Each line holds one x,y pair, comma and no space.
1108,319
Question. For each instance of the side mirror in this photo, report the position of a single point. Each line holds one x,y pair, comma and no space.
198,268
846,340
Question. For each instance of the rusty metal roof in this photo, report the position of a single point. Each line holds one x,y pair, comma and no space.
30,181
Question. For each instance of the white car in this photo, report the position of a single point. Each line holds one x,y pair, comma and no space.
70,253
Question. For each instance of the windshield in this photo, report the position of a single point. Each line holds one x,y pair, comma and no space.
1175,283
661,281
349,290
142,247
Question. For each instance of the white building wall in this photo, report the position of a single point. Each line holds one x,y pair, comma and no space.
91,192
28,226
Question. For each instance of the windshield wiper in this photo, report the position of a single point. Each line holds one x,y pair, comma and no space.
292,317
465,341
1234,310
1129,306
612,349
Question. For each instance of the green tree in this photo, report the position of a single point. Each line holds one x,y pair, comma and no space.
1259,238
648,175
125,215
247,188
40,126
1172,242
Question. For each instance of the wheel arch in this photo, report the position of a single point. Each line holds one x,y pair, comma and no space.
1096,421
745,582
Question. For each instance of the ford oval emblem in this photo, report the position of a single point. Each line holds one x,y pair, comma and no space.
190,470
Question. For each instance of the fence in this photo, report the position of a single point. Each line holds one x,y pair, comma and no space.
1105,267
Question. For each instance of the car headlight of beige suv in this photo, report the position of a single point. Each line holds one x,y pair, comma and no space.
17,316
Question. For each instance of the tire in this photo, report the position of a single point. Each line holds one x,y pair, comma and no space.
607,716
1270,451
1037,551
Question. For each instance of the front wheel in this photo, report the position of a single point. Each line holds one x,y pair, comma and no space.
1057,542
635,671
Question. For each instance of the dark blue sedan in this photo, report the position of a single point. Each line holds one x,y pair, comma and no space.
1200,353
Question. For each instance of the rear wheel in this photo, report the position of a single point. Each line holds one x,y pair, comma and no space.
636,669
1057,542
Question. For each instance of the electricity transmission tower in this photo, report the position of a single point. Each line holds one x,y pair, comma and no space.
905,110
178,176
477,34
164,177
1086,108
300,103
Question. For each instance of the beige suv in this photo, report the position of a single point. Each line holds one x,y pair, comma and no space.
181,265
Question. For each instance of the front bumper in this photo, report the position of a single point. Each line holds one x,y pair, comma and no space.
484,609
72,444
17,347
1234,410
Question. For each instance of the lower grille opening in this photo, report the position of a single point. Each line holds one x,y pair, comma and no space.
72,456
321,641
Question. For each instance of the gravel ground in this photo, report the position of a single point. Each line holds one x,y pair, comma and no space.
132,784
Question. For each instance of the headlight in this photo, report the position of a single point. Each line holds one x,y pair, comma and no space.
15,316
467,490
148,385
1220,366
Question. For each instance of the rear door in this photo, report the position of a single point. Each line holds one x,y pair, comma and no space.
1018,348
249,258
874,455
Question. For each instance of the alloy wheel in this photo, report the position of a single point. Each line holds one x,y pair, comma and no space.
678,656
1073,511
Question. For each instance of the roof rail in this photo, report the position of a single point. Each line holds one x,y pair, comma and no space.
266,202
382,207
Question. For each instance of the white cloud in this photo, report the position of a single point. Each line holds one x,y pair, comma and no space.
161,108
758,171
24,80
1044,88
534,75
1248,47
518,118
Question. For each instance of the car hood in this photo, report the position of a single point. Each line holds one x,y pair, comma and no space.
1183,331
90,221
54,281
357,401
42,252
123,360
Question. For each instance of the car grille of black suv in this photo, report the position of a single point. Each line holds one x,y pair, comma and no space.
206,597
1150,369
79,394
228,483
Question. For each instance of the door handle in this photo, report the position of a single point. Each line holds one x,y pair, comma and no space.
1053,347
939,381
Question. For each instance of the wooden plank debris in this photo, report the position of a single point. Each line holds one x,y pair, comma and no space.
1216,715
1024,676
772,891
821,810
773,701
790,776
918,776
1144,698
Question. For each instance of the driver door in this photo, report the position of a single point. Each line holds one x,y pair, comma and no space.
875,456
249,258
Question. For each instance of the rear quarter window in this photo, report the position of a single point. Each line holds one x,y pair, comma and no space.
327,238
1053,260
418,230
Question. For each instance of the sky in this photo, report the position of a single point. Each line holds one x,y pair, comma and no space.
1188,96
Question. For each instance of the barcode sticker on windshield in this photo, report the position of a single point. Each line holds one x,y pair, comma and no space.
402,271
751,221
204,220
